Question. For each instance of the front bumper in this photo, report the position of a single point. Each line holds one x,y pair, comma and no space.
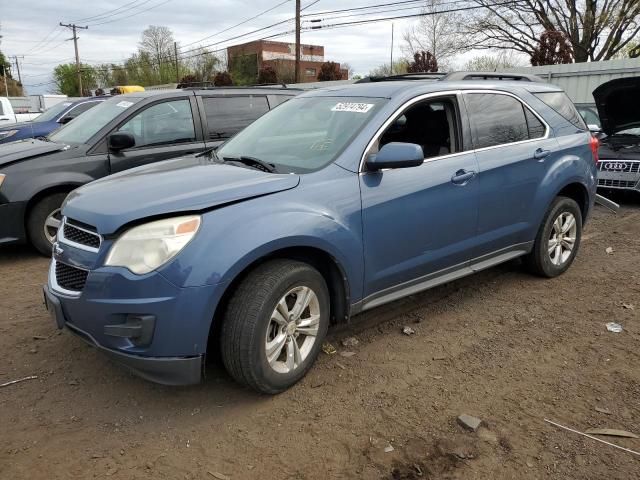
619,174
12,223
111,313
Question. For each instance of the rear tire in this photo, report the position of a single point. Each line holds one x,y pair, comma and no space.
558,239
42,222
274,325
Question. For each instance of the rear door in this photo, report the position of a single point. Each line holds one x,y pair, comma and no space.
514,150
224,116
164,129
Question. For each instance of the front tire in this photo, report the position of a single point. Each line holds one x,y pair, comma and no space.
43,222
558,239
274,325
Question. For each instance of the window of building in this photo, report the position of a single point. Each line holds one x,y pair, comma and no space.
310,72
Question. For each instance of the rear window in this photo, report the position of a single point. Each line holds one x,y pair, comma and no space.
561,104
496,119
226,116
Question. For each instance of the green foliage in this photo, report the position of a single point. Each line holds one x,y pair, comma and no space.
244,69
399,67
329,71
66,79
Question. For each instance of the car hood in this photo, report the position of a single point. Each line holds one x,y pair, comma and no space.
15,126
189,184
24,149
617,104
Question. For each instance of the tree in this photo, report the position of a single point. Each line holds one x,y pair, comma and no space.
348,68
493,62
203,64
329,71
267,74
399,67
634,52
423,62
157,43
285,70
553,49
596,30
438,33
65,77
188,80
222,79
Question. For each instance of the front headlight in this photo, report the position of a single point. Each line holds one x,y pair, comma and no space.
149,246
2,177
7,134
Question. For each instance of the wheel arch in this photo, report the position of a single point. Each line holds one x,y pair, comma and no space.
45,192
579,193
329,267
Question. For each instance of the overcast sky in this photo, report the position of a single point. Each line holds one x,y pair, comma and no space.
30,29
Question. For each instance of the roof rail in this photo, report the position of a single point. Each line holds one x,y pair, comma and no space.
275,86
518,77
405,76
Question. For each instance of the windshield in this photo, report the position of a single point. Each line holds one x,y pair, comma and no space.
304,134
93,120
52,113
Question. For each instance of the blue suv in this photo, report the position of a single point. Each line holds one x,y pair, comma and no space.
335,202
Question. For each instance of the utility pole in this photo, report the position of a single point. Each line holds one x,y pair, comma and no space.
175,51
15,58
391,64
297,76
73,27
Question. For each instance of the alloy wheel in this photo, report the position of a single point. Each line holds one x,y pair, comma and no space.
563,238
51,225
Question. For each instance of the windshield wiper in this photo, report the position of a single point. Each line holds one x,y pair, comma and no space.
253,162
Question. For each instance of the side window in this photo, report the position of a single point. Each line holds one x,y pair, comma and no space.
536,127
228,115
431,124
161,124
78,109
561,104
496,119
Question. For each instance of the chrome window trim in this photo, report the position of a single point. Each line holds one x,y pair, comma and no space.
53,282
74,107
425,96
66,241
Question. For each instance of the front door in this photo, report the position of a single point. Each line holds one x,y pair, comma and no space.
162,130
420,222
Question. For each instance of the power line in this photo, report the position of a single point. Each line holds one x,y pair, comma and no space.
85,19
131,14
237,24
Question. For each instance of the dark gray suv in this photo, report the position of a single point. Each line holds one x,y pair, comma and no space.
124,132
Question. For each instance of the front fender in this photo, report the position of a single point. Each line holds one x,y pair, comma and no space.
33,186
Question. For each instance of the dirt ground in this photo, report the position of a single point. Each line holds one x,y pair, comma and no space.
504,346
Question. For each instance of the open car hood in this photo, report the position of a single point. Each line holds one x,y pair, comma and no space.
189,184
617,103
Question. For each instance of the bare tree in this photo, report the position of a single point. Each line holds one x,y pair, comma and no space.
438,33
596,29
157,42
383,70
494,61
423,62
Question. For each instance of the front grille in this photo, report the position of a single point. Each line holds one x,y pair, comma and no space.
70,278
628,166
605,182
80,235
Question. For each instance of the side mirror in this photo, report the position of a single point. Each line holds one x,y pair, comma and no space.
396,155
65,120
120,141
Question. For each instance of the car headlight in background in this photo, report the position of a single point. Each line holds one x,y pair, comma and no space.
7,134
147,247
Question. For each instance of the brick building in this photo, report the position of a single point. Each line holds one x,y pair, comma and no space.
252,56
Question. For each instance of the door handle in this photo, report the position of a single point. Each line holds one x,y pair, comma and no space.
461,177
541,154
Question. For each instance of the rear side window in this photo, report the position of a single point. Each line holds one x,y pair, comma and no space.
83,107
496,119
561,104
226,116
536,127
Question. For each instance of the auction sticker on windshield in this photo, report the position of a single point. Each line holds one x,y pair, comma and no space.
353,107
124,104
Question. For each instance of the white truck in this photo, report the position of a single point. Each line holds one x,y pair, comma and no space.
8,116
